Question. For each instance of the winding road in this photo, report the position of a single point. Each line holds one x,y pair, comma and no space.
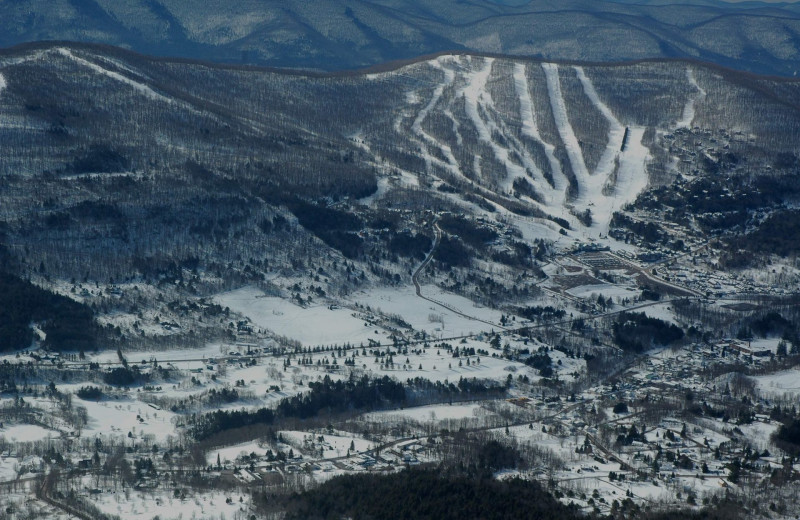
415,278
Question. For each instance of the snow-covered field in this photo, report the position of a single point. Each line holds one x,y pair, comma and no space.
780,384
661,311
119,417
432,414
606,289
316,324
229,454
160,504
326,445
423,315
26,433
208,351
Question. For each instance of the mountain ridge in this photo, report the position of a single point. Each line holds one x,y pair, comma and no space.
346,34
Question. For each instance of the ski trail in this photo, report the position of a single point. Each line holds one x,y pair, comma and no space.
530,128
616,133
564,127
623,171
632,176
3,84
451,163
449,76
473,93
689,109
389,175
477,98
456,126
139,87
9,62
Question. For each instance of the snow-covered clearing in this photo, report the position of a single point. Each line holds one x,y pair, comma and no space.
606,289
7,465
383,189
533,228
780,384
424,315
661,311
26,433
770,344
124,416
231,453
162,504
139,87
3,84
210,350
329,446
438,364
433,413
313,325
759,433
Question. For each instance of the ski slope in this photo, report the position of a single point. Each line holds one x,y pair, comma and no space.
565,130
690,108
620,174
605,167
478,100
531,129
474,93
137,86
451,164
512,144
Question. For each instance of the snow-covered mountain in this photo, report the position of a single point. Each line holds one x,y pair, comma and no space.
94,139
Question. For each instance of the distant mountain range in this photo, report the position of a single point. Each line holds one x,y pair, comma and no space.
346,34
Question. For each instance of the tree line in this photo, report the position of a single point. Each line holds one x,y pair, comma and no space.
67,324
336,397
